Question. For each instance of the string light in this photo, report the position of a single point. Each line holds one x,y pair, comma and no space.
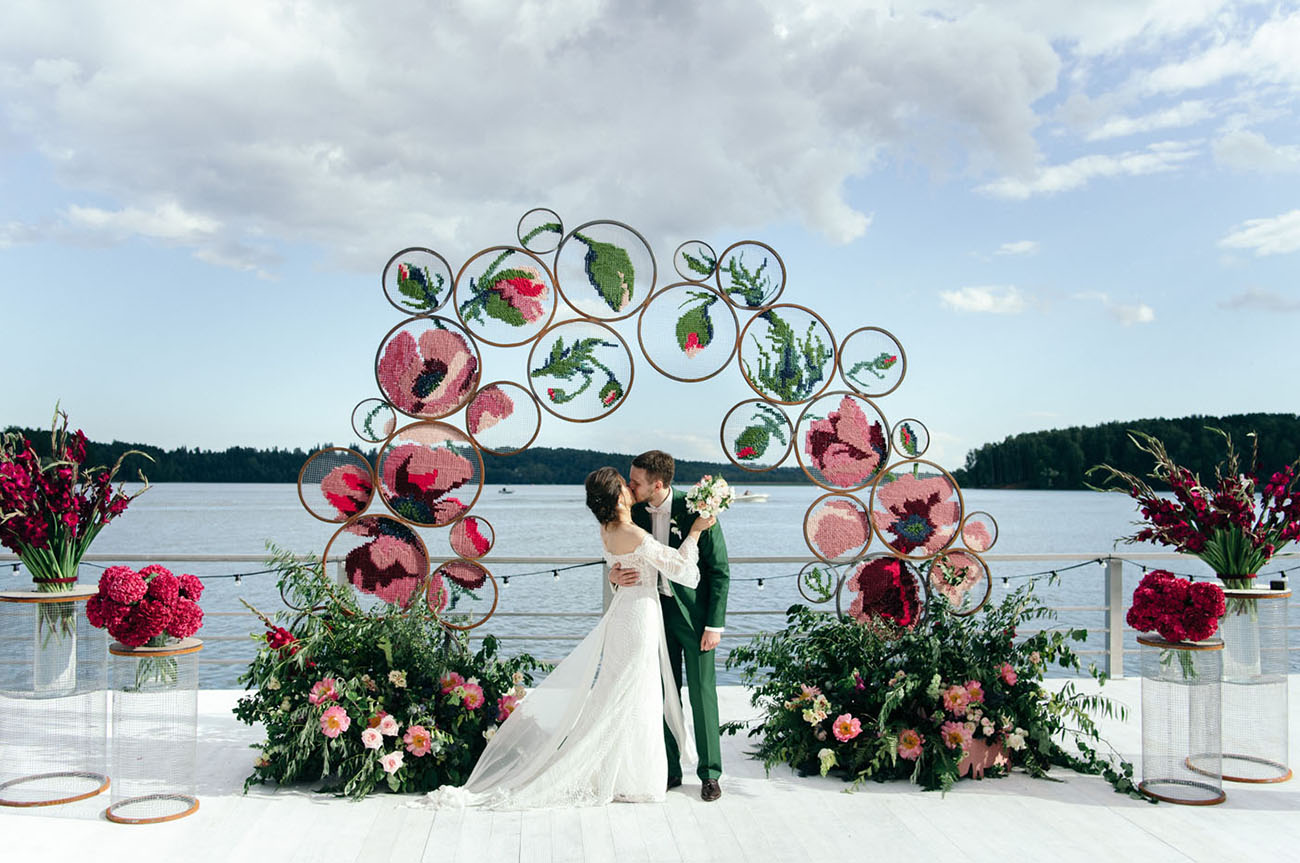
760,584
555,574
505,580
1005,581
239,579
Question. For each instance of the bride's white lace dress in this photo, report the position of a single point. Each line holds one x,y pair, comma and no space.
592,731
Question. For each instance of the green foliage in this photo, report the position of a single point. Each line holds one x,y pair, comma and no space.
610,271
382,663
577,360
751,286
789,367
882,363
544,228
1059,458
703,265
696,319
821,667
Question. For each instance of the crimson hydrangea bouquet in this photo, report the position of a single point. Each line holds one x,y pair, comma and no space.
51,509
1235,526
144,608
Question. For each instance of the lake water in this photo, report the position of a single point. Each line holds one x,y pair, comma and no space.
552,521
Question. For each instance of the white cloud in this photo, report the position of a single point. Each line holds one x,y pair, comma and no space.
1276,236
1257,299
329,125
992,299
1126,314
1244,150
1264,54
1184,114
1019,247
1157,158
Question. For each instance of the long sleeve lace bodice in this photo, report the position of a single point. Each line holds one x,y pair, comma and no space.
680,565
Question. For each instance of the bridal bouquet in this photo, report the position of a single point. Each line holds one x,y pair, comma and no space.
710,496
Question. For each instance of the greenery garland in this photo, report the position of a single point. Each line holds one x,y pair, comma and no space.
859,702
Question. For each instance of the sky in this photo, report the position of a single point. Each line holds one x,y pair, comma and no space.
1067,213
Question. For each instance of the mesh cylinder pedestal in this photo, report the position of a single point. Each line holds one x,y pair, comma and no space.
1180,720
53,714
1255,716
155,727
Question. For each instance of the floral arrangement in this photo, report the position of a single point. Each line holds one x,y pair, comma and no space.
145,608
1178,608
710,496
1235,526
931,704
51,509
847,448
362,701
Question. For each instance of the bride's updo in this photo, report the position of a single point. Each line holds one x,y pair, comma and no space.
604,486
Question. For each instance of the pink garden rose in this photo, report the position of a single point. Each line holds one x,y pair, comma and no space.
506,705
334,721
392,762
473,697
388,725
371,738
450,681
1008,674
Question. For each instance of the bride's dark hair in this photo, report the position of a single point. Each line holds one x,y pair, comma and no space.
604,485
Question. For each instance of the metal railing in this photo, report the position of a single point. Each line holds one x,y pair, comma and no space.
1113,607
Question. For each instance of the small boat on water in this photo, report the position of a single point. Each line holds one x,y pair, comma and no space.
748,496
504,490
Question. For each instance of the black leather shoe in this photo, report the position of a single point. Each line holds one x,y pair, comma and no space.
674,782
710,790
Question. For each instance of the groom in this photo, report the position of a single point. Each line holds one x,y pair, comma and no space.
693,618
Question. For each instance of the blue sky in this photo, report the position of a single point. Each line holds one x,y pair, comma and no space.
1067,213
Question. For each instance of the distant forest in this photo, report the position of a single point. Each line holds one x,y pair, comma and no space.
1057,459
536,465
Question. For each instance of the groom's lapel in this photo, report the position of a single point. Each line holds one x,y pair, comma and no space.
678,523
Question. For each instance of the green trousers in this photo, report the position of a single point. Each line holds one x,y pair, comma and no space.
702,686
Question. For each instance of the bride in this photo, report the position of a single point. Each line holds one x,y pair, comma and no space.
592,731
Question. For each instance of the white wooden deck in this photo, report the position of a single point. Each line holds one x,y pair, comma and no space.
759,818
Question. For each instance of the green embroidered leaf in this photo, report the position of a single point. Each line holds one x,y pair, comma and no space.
610,271
503,311
752,286
704,264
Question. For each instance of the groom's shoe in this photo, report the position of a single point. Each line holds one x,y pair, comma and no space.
710,790
674,782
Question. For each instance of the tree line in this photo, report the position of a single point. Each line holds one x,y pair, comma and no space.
536,465
1059,458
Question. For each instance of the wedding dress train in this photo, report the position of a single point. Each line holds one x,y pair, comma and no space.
592,731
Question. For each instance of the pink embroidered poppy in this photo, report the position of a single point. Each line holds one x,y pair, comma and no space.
846,447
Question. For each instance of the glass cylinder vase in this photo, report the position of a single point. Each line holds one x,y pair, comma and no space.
1180,720
1255,697
53,699
155,729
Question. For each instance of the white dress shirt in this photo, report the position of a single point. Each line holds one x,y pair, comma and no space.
661,517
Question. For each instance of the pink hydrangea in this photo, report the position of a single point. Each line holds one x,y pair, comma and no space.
334,721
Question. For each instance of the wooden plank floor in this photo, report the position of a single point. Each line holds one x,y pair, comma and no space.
759,818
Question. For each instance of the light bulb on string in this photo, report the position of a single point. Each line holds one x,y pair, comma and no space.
555,574
505,580
239,579
760,584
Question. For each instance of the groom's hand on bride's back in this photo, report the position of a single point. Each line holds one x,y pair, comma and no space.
623,577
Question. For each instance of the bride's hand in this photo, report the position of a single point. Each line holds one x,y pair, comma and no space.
702,523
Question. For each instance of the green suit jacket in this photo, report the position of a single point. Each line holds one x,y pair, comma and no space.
705,604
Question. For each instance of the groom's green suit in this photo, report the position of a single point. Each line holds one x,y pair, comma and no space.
686,613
